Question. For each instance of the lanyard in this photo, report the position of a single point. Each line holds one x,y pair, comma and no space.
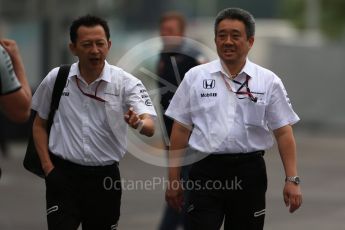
242,85
90,95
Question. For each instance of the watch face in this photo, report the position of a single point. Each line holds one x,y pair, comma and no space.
294,179
297,180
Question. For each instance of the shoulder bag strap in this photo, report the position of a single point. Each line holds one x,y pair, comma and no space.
59,85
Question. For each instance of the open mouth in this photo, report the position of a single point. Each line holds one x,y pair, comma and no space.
95,60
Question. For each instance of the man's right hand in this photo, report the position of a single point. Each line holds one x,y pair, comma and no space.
179,141
174,195
47,169
10,46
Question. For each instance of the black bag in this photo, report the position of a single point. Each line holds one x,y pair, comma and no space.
31,160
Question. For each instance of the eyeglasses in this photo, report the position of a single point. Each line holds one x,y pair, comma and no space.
90,95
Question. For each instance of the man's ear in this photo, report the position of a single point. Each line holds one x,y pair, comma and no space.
72,48
251,41
109,44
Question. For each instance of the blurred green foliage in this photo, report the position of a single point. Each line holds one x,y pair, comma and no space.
332,16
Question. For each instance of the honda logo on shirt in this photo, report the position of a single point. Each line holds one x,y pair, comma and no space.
209,84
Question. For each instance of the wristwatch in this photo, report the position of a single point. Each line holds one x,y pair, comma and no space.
294,179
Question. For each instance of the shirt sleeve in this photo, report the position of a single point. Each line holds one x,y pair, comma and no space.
42,97
280,112
138,97
179,108
8,79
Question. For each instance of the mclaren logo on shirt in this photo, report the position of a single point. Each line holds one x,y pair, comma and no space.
209,84
148,102
66,94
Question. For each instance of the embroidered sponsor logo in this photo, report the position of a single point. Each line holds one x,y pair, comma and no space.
260,213
288,99
209,84
52,209
190,208
148,102
66,94
113,227
208,94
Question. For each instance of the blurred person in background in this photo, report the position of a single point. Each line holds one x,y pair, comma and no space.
15,92
177,56
87,140
227,110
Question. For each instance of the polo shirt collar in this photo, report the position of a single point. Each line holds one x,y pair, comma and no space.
105,74
248,68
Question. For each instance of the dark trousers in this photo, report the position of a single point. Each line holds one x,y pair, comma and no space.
229,189
86,195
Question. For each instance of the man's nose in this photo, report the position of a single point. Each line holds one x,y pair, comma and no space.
229,40
94,48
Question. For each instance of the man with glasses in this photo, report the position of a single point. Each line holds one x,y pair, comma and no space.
225,110
88,136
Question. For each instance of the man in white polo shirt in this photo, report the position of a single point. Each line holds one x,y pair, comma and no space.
227,109
88,136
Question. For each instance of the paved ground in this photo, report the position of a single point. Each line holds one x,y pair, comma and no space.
321,166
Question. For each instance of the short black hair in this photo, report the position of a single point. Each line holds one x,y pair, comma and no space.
88,21
238,14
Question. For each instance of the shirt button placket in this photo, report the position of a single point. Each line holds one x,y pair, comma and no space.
86,127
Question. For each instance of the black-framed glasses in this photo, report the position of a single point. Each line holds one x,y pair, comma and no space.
91,95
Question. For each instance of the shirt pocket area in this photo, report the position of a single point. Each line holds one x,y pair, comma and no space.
114,112
254,113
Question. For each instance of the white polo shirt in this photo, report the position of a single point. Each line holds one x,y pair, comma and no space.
225,122
81,131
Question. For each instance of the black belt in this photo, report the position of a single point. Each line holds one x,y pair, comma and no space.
241,155
236,156
58,161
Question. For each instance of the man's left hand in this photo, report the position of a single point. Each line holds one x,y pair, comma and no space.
292,196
